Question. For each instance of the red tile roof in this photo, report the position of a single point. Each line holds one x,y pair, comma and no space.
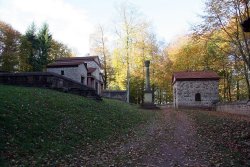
195,75
77,58
90,70
73,61
65,64
87,58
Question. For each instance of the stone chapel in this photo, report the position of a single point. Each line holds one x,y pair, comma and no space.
197,89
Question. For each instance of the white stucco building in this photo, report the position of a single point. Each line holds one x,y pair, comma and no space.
86,70
195,89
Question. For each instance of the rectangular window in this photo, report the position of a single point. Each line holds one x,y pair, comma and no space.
62,72
82,80
197,97
96,87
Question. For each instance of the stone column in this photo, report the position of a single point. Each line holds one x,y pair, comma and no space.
147,63
148,94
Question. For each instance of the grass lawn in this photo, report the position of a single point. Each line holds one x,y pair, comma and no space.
39,125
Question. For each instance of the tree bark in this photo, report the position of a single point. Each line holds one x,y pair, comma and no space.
246,71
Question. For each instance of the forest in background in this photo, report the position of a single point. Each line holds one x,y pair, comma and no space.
217,43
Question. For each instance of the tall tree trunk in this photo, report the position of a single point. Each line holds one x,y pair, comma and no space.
238,90
128,78
160,97
128,83
224,84
229,79
143,73
105,64
153,93
246,71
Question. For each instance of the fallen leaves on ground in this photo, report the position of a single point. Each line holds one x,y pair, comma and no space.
174,138
84,134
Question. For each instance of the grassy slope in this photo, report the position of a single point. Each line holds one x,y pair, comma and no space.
36,124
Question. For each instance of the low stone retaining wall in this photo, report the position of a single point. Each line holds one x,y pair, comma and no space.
48,80
115,94
241,107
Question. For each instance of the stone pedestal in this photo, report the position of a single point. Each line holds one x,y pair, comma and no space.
148,101
148,97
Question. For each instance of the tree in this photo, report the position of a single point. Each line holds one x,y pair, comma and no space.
226,16
130,30
99,47
128,26
25,54
9,47
118,81
44,45
37,46
163,68
59,50
31,51
30,47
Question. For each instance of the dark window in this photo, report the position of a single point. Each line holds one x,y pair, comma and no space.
62,72
96,86
36,78
82,80
197,97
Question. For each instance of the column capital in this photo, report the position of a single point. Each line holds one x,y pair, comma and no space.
147,62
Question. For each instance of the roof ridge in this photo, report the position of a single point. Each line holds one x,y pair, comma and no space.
195,75
193,71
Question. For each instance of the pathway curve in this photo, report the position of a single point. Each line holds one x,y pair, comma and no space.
169,140
177,145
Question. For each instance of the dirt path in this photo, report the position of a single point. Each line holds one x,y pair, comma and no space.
168,140
177,145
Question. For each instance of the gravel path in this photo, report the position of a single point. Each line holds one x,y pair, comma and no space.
167,141
171,139
176,145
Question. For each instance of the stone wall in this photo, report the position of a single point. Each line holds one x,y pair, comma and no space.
240,107
185,92
48,80
96,74
74,73
119,95
98,79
